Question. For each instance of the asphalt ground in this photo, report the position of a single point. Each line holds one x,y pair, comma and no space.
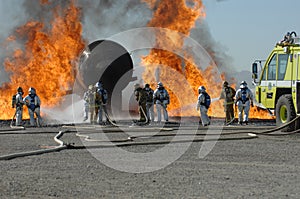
102,162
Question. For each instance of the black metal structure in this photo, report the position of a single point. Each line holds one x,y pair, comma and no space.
109,62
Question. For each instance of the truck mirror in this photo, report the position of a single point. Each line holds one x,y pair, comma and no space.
254,68
254,72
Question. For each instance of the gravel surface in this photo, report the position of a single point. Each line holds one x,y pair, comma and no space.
264,167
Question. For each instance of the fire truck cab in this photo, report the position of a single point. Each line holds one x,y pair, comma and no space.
277,83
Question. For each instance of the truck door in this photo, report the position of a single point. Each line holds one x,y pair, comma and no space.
268,83
298,84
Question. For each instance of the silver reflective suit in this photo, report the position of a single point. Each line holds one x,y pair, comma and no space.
89,104
33,103
100,103
161,99
201,106
19,108
243,99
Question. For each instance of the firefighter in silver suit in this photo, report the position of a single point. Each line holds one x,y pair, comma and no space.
101,98
243,99
18,104
203,105
161,99
89,103
33,104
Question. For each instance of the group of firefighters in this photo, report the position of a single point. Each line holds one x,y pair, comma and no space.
242,98
96,98
95,101
147,97
33,103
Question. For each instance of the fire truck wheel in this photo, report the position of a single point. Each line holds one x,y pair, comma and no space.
285,112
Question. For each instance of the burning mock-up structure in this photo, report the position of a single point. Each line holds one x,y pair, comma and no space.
108,62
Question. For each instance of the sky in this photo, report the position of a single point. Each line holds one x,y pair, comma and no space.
244,30
249,29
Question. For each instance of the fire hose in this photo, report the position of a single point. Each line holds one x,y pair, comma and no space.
251,135
60,147
145,115
130,141
118,125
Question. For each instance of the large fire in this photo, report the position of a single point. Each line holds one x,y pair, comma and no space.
46,62
180,16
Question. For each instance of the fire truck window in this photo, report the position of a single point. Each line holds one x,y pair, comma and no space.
282,64
272,68
264,75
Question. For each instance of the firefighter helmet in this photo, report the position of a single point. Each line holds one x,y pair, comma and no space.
32,90
201,89
20,89
243,83
160,85
137,85
225,84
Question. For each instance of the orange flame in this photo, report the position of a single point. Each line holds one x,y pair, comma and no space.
180,16
46,62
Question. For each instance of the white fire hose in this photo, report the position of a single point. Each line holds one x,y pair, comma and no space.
60,147
124,142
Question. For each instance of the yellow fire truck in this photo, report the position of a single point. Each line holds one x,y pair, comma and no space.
277,83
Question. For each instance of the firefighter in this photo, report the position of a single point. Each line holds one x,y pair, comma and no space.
101,98
243,99
288,38
228,94
89,104
203,104
149,103
17,102
141,98
161,99
33,104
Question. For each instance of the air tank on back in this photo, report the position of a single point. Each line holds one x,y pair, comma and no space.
110,63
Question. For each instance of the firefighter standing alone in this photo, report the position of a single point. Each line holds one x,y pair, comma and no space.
228,94
203,104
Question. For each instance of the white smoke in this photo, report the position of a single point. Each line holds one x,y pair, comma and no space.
70,111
